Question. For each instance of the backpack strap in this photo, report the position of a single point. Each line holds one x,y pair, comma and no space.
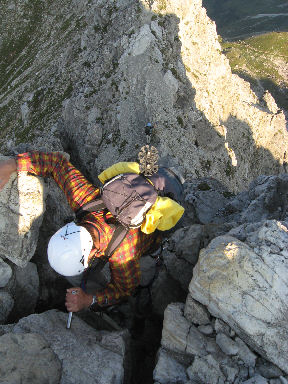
119,233
92,206
117,238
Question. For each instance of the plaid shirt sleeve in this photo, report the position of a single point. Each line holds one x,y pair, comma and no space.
125,266
78,190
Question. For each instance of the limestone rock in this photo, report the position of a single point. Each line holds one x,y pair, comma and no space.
206,370
175,329
221,327
27,358
208,197
149,60
271,104
25,291
267,370
6,305
5,273
186,243
96,354
257,379
195,312
169,370
179,335
231,372
265,199
22,204
247,356
206,329
245,286
227,345
178,268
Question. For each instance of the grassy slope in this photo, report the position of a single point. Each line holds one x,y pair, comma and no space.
234,18
262,58
25,32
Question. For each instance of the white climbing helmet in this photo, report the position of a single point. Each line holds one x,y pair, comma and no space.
69,248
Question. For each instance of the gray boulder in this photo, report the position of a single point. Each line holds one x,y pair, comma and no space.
267,370
22,204
206,370
180,336
25,291
85,353
208,198
227,345
265,199
147,63
245,285
245,354
169,370
195,312
28,359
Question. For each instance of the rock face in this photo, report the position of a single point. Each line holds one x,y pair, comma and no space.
22,204
28,359
6,305
105,68
84,352
25,291
245,285
5,273
189,356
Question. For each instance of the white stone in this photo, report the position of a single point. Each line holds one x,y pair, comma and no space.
22,205
143,41
221,327
96,354
247,356
168,370
206,369
175,328
248,292
178,335
227,345
28,358
171,82
206,329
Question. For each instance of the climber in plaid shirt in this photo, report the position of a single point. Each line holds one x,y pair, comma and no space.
93,233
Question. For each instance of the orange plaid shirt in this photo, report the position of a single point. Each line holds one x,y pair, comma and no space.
124,263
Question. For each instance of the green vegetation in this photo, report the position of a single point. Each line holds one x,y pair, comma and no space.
203,187
228,194
229,170
180,121
12,60
262,58
162,5
236,18
206,164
